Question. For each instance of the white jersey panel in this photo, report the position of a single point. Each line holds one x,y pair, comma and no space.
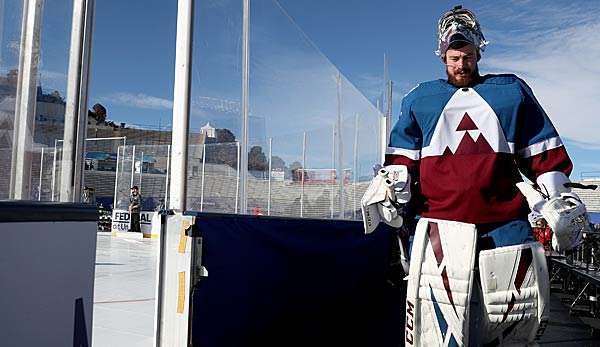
467,114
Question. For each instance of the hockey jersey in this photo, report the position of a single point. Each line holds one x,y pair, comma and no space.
466,148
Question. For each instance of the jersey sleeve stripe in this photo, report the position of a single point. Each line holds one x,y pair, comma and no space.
412,165
555,159
540,147
413,154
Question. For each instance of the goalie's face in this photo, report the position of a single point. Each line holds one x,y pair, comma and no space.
461,65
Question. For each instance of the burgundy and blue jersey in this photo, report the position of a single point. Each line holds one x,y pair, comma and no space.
467,147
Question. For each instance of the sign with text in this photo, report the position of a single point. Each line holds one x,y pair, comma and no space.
121,221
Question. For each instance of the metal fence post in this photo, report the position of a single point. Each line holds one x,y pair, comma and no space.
132,165
76,101
270,170
383,137
181,105
54,169
41,173
340,168
331,195
245,106
117,178
202,184
302,174
141,171
25,104
171,323
237,181
355,168
167,178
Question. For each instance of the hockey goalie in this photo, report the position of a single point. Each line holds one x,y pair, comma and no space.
457,156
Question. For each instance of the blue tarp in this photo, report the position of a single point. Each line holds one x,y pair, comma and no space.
294,282
113,156
100,155
594,217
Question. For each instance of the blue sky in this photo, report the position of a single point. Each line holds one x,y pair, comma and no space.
549,44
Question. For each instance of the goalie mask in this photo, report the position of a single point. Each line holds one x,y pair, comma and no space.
459,24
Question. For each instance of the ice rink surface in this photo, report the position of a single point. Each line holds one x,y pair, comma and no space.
124,298
124,290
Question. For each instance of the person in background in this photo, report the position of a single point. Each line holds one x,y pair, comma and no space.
135,202
543,234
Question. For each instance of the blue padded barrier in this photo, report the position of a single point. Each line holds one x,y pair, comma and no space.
294,282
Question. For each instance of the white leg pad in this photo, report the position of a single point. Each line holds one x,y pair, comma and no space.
439,283
516,291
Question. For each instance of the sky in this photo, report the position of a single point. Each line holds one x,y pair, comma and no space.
298,47
551,44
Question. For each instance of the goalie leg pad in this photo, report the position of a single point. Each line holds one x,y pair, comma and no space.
516,291
439,283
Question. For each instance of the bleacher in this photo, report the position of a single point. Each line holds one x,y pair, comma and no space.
5,157
220,190
591,198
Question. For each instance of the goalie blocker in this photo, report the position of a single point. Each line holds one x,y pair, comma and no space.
383,200
444,289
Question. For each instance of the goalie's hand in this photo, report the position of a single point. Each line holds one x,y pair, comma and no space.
383,199
565,213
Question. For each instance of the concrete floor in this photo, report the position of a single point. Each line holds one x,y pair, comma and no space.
566,330
124,298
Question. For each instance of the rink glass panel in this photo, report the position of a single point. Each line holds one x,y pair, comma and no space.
312,136
144,166
43,144
320,130
10,37
215,104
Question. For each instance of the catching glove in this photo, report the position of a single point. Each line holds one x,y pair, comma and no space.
561,208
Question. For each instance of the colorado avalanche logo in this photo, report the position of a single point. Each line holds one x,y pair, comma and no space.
473,141
467,125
